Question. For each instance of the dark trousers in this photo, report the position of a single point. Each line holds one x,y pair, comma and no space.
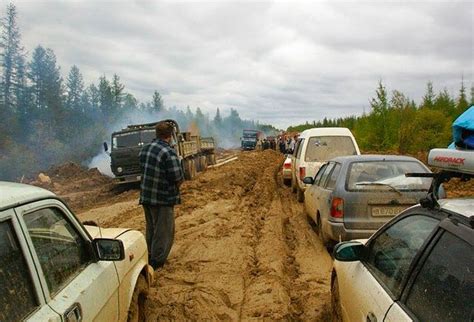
159,233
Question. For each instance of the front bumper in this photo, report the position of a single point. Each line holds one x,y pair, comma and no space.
127,179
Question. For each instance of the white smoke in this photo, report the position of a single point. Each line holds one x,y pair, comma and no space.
102,163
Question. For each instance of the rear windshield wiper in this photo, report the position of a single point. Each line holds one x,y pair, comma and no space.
379,184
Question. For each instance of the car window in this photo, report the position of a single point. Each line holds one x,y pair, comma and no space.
326,174
17,296
391,252
318,176
62,252
324,148
332,179
383,176
444,288
299,148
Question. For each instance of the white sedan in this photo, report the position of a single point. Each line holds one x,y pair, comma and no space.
53,268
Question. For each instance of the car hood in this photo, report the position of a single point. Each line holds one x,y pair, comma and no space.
97,232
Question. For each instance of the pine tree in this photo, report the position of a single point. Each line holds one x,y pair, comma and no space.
378,119
472,96
106,98
117,93
461,104
157,103
429,98
218,118
75,90
12,62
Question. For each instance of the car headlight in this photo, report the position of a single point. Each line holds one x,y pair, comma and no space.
119,169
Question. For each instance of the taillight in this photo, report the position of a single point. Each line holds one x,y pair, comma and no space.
302,173
337,208
286,165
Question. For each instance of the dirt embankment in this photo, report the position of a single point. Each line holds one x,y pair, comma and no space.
243,248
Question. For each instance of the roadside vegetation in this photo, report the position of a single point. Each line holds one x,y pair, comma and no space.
46,119
396,123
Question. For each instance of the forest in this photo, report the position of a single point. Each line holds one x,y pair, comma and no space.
396,123
46,119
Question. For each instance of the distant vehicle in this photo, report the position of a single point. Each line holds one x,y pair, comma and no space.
286,171
195,152
351,197
316,146
417,267
249,139
54,268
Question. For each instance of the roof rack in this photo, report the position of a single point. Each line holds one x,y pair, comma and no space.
452,164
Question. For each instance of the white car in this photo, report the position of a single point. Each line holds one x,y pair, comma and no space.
286,170
53,268
417,267
315,147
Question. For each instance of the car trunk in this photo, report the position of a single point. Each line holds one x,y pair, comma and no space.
369,210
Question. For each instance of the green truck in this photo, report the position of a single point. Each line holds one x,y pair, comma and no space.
195,152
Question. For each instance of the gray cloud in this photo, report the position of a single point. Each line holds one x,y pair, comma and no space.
277,62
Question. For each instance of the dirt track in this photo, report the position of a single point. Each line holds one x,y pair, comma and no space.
243,248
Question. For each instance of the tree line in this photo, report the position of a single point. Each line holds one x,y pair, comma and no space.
396,123
46,119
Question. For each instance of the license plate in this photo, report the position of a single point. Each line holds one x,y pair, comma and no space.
387,211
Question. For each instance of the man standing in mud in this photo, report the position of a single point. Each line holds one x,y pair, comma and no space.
161,177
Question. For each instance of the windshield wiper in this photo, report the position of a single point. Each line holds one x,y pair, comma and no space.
379,184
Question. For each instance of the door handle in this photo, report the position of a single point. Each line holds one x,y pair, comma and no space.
371,317
74,313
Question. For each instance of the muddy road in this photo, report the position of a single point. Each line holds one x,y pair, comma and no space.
243,247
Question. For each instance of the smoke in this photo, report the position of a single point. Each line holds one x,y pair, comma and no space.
102,162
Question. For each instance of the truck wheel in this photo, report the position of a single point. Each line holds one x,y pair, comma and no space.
204,162
299,194
136,311
187,169
213,159
193,168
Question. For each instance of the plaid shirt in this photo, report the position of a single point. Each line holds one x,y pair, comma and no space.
161,172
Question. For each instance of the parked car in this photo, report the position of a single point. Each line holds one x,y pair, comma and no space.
316,146
352,196
286,170
54,268
417,267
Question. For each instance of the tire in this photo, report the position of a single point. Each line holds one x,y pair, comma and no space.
187,169
203,163
287,182
193,169
299,194
335,301
136,311
293,185
321,233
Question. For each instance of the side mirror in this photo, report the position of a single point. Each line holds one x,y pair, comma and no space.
108,249
308,180
106,147
349,251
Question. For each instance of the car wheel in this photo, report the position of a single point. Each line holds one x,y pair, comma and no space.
335,301
293,185
321,233
287,182
136,311
299,195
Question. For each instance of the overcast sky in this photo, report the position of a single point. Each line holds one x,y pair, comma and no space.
277,62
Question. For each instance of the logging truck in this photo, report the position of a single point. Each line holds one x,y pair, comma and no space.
194,151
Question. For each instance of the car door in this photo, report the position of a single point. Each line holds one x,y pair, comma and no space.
368,288
311,192
296,160
326,192
443,288
21,297
319,194
74,283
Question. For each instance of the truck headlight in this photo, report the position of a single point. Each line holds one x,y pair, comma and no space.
119,169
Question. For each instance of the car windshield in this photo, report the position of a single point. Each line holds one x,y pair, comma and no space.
324,148
386,175
126,140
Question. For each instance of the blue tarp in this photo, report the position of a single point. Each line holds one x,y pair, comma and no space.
463,130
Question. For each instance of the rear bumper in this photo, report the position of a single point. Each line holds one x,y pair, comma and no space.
338,232
286,174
